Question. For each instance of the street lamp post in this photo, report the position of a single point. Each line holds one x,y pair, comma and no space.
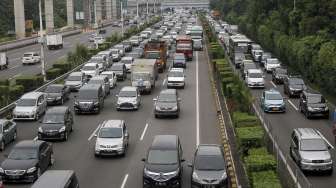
122,19
147,12
41,42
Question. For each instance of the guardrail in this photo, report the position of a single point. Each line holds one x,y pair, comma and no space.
32,40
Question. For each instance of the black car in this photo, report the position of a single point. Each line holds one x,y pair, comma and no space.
27,161
209,167
167,104
57,124
127,45
90,99
57,93
120,70
294,86
163,165
313,104
278,75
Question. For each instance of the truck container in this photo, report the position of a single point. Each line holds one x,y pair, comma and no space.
156,49
54,41
144,73
184,44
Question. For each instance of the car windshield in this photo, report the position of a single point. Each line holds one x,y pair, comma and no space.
23,154
162,157
89,68
110,133
296,81
313,145
274,96
281,71
153,55
255,75
54,89
87,95
107,74
26,102
96,81
179,58
127,94
167,98
127,61
27,55
117,68
74,78
315,99
175,74
249,66
53,118
209,162
140,76
115,51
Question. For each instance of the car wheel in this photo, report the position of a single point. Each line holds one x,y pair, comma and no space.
15,136
307,114
37,116
156,116
330,172
38,173
65,136
2,146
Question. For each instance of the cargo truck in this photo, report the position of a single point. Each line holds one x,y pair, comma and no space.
156,49
54,41
184,44
144,73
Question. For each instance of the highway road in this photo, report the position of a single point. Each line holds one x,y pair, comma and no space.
197,124
51,56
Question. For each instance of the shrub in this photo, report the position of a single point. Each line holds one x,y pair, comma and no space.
259,160
4,93
265,179
53,73
226,74
63,66
249,137
4,82
15,92
29,82
241,119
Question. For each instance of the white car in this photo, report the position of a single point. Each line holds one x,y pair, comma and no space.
128,61
99,40
30,106
271,63
128,98
257,54
112,138
112,77
255,78
176,78
90,69
173,34
31,58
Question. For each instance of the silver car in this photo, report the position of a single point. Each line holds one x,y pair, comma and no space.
104,81
112,138
75,81
30,106
310,150
8,132
128,98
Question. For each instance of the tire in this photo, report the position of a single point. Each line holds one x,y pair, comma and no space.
15,136
307,114
65,136
2,146
156,116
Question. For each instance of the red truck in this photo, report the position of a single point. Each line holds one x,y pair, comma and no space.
156,49
184,44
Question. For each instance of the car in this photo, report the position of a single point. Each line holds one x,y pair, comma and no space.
92,37
272,101
239,59
257,54
176,78
57,124
278,75
264,57
167,104
294,86
106,55
57,179
120,70
255,78
121,49
198,45
135,40
30,106
75,80
99,40
27,161
90,69
163,163
209,167
128,61
271,64
31,58
127,45
179,60
310,150
128,98
112,138
313,104
101,60
90,99
112,78
57,93
102,80
116,56
173,34
160,33
136,53
8,132
115,24
245,66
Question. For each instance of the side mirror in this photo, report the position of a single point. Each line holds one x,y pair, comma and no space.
143,160
127,134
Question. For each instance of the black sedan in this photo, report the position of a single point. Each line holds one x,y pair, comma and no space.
27,161
57,93
8,132
167,104
278,75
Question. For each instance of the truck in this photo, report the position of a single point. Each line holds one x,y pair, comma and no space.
238,44
144,73
3,61
184,44
54,41
156,49
196,33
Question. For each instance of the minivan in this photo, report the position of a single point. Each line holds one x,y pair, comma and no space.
90,99
57,179
30,106
164,171
120,70
104,81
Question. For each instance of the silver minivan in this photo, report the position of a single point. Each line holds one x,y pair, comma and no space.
102,80
30,106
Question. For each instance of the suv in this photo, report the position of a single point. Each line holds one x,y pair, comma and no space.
57,94
310,151
120,70
271,63
313,104
31,58
167,104
272,101
90,69
164,171
30,106
278,75
209,167
128,98
57,179
56,124
112,138
90,99
103,81
294,86
179,60
245,66
115,55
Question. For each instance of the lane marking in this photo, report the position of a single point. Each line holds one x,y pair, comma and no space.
273,84
197,104
144,132
14,67
291,103
327,141
124,181
17,58
94,132
164,82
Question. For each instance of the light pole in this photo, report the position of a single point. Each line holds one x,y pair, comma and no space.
41,42
147,12
122,19
95,14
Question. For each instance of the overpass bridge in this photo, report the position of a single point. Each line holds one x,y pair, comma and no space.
185,4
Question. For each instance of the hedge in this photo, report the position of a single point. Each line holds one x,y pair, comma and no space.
63,66
265,179
241,119
53,73
15,92
29,82
4,82
260,160
249,137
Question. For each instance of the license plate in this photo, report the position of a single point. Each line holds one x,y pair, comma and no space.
14,177
275,109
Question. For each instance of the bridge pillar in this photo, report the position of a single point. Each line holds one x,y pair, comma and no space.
108,4
49,15
98,11
20,27
70,13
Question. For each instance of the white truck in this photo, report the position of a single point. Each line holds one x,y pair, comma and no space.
3,61
144,73
54,41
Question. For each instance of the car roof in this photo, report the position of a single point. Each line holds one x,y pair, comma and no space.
112,124
31,95
57,110
308,133
90,87
90,64
272,91
29,144
118,64
106,72
53,179
98,77
127,58
128,88
164,142
255,71
76,74
168,91
209,149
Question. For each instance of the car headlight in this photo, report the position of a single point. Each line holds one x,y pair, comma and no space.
174,173
76,103
2,170
58,98
32,169
328,160
62,129
40,130
310,108
195,178
157,108
96,103
175,108
306,161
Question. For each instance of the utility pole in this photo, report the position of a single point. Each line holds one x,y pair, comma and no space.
95,14
137,13
154,7
147,12
122,19
42,42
